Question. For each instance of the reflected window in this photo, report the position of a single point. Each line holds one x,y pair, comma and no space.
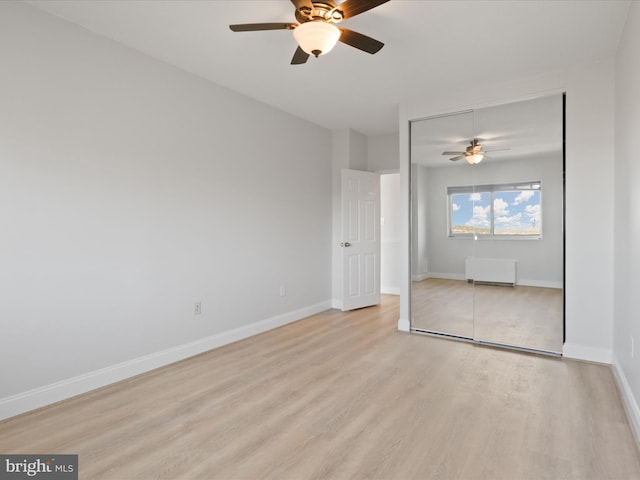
470,213
496,210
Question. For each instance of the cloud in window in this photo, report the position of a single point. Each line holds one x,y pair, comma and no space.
510,221
475,197
533,212
524,197
480,217
455,207
500,207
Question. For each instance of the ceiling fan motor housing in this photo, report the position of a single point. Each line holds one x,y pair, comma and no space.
325,11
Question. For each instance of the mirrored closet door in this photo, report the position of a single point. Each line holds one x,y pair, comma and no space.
487,250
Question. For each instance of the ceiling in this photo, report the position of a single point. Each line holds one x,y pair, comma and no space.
429,46
525,129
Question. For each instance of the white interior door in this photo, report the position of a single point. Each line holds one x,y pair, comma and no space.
360,239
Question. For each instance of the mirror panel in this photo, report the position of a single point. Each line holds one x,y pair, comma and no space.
527,222
487,238
442,301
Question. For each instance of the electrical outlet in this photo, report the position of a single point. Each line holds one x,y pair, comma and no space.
197,308
283,291
632,347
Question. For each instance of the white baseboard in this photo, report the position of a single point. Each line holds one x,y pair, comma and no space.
460,276
336,303
55,392
630,404
404,325
590,354
447,276
539,283
390,290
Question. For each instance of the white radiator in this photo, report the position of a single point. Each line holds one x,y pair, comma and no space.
491,270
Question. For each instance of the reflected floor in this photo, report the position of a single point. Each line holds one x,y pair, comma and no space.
524,316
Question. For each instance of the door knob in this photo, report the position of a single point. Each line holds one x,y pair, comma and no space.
345,244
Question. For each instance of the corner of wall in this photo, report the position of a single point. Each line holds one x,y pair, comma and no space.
628,400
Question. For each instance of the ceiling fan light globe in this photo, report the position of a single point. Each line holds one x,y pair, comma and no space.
316,37
474,159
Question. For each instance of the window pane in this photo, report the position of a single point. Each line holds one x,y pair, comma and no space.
470,213
517,213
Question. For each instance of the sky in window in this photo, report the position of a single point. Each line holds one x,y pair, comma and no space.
515,212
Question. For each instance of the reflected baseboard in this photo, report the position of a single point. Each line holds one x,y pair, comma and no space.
458,276
539,283
445,276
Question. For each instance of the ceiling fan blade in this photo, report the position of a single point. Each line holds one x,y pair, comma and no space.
351,8
254,27
299,57
302,3
497,150
360,41
452,153
455,159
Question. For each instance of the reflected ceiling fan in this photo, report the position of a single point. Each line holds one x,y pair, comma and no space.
473,154
316,32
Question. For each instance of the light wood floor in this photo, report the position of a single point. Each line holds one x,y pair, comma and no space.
524,316
345,396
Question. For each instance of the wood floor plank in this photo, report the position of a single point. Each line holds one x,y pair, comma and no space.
343,395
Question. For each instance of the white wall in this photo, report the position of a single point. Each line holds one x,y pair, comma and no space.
382,153
357,151
130,190
627,214
539,261
589,169
390,233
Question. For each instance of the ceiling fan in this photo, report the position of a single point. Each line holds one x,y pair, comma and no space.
316,32
473,153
